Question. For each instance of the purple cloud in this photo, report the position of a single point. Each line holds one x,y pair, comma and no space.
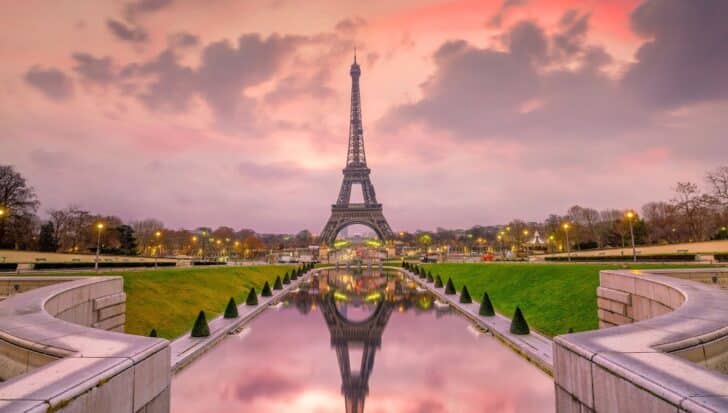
52,82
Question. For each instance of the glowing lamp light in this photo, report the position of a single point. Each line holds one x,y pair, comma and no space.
630,214
158,234
100,226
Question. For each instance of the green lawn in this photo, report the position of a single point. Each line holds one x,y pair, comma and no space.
553,297
169,299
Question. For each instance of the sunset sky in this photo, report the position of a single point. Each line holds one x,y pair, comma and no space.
235,113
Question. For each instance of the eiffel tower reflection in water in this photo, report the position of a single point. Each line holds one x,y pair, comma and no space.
371,293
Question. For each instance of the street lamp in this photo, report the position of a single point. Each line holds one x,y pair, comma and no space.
568,246
158,234
525,241
99,227
630,216
2,212
551,242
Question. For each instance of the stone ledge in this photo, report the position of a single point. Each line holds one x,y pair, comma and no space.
75,368
658,364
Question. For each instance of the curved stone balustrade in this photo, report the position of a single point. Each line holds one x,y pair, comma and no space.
669,360
54,360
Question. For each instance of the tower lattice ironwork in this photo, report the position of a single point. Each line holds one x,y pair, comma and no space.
343,212
365,335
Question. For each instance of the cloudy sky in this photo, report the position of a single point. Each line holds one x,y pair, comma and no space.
225,112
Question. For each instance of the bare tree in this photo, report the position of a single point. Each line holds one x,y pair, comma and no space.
145,230
718,179
19,204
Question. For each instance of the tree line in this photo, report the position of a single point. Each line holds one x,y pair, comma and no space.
75,229
692,214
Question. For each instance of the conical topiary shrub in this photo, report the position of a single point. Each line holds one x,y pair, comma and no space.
423,274
153,333
486,307
294,275
278,285
252,297
231,311
465,295
286,279
266,292
429,277
519,324
450,287
404,264
200,329
438,282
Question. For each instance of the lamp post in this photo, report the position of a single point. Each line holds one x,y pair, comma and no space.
568,246
158,235
630,216
551,242
525,241
99,227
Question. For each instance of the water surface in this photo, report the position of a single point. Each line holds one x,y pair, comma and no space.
361,342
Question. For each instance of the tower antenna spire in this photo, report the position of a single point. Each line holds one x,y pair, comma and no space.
355,54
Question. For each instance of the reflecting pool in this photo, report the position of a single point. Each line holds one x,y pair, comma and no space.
350,341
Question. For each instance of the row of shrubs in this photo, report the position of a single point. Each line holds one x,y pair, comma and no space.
201,328
721,257
207,263
643,258
518,322
77,265
8,266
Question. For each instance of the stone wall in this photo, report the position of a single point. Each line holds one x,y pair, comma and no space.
64,351
662,345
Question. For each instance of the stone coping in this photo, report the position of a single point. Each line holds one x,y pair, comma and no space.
639,353
535,347
186,348
88,358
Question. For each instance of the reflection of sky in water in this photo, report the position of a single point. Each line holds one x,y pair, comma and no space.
427,363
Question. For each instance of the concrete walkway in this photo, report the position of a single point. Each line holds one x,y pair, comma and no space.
534,347
185,349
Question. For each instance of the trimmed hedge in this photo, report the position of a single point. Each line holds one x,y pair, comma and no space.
718,257
486,307
102,264
266,292
429,277
450,287
628,257
465,296
8,266
231,311
518,324
200,329
438,282
278,284
286,279
252,298
207,263
153,333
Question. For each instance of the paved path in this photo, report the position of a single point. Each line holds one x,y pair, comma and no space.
186,348
534,347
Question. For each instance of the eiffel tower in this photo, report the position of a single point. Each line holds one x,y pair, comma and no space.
365,335
343,212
